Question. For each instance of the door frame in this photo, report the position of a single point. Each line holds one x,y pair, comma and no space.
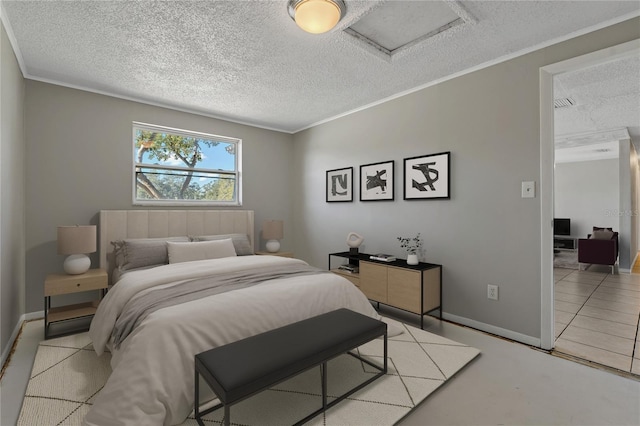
547,333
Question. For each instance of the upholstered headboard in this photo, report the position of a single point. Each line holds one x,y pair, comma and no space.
123,224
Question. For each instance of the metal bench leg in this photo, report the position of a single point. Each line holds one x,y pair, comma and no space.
324,385
227,420
196,403
385,353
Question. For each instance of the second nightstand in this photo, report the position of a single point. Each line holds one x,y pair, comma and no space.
59,284
278,253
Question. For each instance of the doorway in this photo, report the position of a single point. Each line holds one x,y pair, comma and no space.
547,137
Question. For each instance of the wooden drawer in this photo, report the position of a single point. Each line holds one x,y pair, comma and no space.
404,289
94,279
373,281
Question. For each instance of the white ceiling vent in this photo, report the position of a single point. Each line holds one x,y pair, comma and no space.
564,103
395,26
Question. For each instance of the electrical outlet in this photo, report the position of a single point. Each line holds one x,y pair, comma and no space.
492,292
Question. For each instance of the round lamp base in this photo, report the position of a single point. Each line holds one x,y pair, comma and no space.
273,246
77,264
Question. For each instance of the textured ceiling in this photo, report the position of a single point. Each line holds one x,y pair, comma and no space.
607,96
606,109
247,61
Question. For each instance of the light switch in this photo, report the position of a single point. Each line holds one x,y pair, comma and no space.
528,189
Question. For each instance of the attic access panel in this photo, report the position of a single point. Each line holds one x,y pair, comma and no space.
394,26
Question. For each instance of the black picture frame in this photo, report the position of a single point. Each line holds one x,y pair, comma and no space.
426,177
377,181
339,185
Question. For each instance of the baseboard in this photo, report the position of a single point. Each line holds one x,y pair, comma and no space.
24,317
498,331
12,339
34,315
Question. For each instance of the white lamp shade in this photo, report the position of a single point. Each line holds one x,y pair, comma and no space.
317,16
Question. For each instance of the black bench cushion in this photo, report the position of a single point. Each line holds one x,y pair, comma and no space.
239,369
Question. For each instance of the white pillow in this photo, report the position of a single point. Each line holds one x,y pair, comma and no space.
187,252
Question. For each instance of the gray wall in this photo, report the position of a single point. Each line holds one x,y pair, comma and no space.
79,161
588,193
485,234
626,212
12,203
634,214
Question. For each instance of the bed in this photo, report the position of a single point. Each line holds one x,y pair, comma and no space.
155,318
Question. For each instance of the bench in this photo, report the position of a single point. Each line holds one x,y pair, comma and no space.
244,368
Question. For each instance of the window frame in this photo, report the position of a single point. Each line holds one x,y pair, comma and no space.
186,133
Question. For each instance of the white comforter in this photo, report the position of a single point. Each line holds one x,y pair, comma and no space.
152,382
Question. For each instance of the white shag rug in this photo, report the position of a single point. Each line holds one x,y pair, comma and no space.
67,374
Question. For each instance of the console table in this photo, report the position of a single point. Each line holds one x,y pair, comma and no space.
564,243
412,288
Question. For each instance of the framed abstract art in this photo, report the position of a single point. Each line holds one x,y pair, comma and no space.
340,185
376,181
427,177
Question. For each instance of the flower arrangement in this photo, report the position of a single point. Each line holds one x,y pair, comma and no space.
411,245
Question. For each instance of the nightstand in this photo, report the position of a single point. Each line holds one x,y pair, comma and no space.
278,253
59,284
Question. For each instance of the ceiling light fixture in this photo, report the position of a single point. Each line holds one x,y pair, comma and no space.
316,16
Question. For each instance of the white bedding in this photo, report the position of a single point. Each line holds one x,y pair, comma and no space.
152,382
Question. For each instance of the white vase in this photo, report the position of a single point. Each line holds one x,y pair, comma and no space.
412,259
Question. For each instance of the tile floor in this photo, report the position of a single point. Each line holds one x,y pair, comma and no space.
596,317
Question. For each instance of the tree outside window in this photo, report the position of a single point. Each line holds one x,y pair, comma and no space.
181,167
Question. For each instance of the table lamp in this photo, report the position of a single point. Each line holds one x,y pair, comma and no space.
272,231
76,241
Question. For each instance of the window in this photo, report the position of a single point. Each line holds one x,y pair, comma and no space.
179,167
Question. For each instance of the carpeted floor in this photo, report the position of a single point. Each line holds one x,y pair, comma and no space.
67,375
